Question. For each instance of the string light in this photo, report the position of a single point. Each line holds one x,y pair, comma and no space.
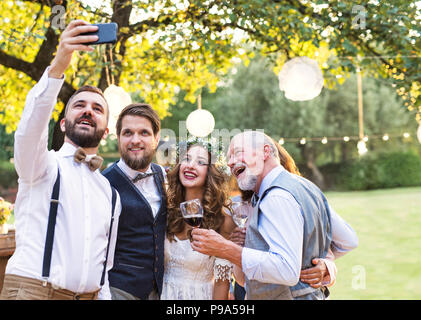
362,148
325,140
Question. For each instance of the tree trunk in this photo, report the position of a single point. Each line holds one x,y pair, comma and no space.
308,155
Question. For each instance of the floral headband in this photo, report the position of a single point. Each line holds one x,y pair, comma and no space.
211,144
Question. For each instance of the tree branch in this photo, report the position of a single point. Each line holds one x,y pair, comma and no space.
15,63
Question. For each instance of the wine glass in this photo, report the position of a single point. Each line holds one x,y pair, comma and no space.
192,211
240,213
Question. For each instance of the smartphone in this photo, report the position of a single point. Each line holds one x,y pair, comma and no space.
107,33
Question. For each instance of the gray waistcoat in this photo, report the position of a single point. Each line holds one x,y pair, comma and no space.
316,241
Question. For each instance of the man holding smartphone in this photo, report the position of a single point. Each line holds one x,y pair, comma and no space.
62,191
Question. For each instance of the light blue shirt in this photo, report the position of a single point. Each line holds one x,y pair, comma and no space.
281,224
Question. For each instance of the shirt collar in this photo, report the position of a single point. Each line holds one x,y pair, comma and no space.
269,178
129,171
67,149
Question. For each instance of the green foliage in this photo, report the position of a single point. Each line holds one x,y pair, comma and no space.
251,99
165,47
384,170
8,175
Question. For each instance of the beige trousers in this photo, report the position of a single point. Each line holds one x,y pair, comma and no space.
23,288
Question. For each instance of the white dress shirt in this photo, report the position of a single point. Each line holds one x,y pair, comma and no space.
282,226
84,211
146,186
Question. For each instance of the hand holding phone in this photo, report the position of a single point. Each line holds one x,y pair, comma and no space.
71,40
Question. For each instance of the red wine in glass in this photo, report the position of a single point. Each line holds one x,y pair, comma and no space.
194,221
192,212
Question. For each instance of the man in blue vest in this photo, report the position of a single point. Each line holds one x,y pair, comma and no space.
139,254
289,227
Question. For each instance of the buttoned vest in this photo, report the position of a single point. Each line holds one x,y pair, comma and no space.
139,254
317,236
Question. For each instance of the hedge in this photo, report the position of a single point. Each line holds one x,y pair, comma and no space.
384,170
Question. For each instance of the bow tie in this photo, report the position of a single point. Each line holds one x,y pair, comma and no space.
141,176
94,163
254,199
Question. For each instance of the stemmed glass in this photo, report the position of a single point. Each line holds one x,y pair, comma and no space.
240,213
192,211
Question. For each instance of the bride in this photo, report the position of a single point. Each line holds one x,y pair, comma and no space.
189,274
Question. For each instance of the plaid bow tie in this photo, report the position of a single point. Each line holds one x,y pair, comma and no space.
254,199
94,163
141,176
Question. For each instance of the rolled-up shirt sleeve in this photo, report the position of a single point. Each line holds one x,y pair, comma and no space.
344,238
281,224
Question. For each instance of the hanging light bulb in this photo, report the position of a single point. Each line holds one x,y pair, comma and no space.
406,135
324,140
346,138
281,141
117,98
362,148
385,137
365,139
303,141
301,79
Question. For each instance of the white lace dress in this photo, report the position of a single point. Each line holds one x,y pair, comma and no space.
188,274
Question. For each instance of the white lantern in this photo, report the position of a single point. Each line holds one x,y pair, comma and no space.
419,133
117,98
301,79
200,123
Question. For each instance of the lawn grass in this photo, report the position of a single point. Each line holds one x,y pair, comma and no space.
387,262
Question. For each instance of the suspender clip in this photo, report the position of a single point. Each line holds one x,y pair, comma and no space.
44,281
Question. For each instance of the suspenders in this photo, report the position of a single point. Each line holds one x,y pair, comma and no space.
51,226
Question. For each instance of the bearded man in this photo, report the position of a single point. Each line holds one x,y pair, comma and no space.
62,191
139,256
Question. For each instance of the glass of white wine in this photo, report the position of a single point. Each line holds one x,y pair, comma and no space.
241,212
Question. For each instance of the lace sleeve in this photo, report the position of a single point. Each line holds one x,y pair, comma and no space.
222,270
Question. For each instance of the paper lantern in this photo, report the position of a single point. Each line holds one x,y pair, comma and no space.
301,79
117,98
200,123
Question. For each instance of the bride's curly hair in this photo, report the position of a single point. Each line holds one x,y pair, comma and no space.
215,199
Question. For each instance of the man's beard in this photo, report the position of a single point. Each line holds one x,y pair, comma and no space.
248,182
138,163
81,138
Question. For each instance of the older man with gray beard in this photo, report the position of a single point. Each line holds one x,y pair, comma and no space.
289,227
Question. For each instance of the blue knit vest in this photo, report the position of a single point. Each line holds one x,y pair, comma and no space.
139,253
316,237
